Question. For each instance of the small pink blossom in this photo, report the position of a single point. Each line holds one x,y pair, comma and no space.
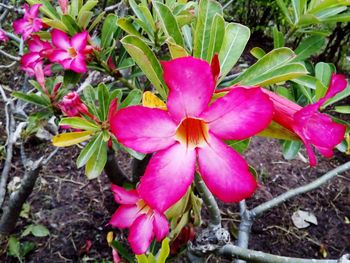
71,105
313,128
3,36
70,53
30,22
193,132
116,258
144,222
63,5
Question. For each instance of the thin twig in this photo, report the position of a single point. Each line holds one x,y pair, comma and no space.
9,65
230,251
260,209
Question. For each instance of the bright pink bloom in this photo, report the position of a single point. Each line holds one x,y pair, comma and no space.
192,130
70,53
3,36
63,5
313,128
144,222
71,105
116,258
29,23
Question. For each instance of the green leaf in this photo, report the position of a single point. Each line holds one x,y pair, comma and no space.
70,24
126,24
239,146
291,149
274,67
14,247
70,78
235,40
257,52
26,248
323,72
88,6
278,38
206,12
25,210
274,130
164,251
32,98
58,24
179,208
90,98
109,29
40,231
134,97
147,61
84,19
176,51
97,162
144,16
79,123
90,149
217,34
141,258
343,109
75,7
97,20
308,47
103,101
168,22
285,11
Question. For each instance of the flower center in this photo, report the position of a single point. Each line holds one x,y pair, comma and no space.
192,132
72,52
144,208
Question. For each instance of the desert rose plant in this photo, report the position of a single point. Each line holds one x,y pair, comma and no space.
168,98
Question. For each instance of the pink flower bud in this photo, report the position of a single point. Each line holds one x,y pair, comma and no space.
71,105
64,6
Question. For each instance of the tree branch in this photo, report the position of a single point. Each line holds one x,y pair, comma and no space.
260,209
9,55
230,251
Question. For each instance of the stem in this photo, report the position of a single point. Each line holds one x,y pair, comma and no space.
290,33
244,227
209,200
113,171
257,211
126,83
230,251
139,167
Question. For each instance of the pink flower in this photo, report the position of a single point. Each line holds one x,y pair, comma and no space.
116,258
71,105
313,128
3,36
29,23
63,5
70,53
193,131
144,222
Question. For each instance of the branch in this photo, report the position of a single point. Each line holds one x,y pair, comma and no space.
9,55
10,130
209,200
257,211
9,65
12,36
230,251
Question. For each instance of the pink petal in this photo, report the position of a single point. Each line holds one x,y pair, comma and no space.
191,86
59,55
338,84
167,177
30,59
34,10
161,226
78,65
125,216
141,234
19,25
116,258
123,196
60,39
225,172
79,41
143,129
240,114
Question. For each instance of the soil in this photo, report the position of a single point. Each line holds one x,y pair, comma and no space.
76,211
